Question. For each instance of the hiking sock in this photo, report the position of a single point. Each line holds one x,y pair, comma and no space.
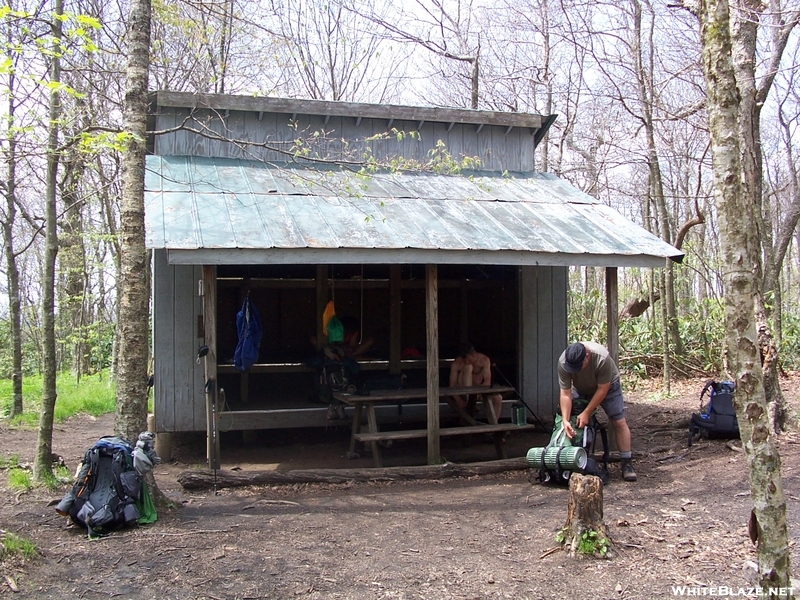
623,456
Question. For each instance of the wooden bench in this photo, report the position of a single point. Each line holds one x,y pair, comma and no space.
373,436
408,434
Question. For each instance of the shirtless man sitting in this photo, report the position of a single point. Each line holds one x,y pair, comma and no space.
473,368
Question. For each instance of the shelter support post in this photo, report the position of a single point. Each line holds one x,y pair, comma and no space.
209,290
612,313
163,440
432,328
395,316
322,300
612,326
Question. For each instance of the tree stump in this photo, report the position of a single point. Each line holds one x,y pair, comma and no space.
584,532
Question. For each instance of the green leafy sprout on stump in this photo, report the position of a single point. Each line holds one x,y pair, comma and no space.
590,542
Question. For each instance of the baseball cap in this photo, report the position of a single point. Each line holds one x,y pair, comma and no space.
573,357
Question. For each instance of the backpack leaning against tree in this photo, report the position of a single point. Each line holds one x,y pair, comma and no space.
108,492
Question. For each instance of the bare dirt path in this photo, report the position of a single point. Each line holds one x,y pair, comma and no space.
682,524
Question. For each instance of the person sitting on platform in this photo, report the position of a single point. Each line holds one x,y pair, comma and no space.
353,345
473,368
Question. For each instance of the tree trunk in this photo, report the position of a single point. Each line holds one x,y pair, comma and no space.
744,30
584,531
12,270
645,76
43,462
739,248
72,263
133,322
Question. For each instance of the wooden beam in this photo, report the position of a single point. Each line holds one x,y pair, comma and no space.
464,311
346,109
387,256
194,480
322,300
395,320
612,313
210,361
432,328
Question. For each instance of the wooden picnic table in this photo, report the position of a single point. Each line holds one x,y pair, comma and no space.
374,436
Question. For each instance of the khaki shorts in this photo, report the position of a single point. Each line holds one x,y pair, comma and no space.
613,404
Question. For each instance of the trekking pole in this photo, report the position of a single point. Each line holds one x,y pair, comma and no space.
213,458
521,399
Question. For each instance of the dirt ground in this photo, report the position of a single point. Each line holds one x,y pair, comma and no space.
683,523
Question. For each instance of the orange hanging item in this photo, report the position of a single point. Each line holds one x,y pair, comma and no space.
331,325
329,312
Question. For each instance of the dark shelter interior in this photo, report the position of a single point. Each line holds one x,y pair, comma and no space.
478,303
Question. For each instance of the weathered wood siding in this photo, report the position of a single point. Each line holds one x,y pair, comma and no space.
178,391
272,137
543,335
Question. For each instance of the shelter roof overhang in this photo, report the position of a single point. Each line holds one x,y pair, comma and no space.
393,112
233,211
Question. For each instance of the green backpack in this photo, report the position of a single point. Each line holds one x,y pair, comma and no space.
584,438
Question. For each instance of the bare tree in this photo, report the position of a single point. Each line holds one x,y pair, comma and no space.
9,218
328,50
43,462
447,30
740,248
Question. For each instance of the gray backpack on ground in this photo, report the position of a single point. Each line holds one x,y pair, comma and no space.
108,484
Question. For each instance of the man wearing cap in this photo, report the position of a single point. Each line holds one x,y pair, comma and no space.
586,370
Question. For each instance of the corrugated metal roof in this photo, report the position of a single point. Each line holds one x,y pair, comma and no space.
222,211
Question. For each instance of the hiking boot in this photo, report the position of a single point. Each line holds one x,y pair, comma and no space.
628,474
331,414
340,412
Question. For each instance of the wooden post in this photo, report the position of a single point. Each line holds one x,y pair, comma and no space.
395,320
432,328
210,361
612,313
585,532
163,442
463,302
322,301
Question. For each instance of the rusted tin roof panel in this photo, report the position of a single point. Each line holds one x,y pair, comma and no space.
203,203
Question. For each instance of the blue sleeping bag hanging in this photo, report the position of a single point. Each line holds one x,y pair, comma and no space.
248,326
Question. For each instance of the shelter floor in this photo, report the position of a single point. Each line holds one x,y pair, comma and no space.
318,448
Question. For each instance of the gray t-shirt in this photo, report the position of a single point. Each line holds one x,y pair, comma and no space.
601,369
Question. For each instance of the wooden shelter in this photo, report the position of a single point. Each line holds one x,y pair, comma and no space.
269,199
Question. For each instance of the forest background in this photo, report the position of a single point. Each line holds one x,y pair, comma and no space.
624,78
691,132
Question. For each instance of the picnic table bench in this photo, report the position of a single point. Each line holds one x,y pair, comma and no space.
373,436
